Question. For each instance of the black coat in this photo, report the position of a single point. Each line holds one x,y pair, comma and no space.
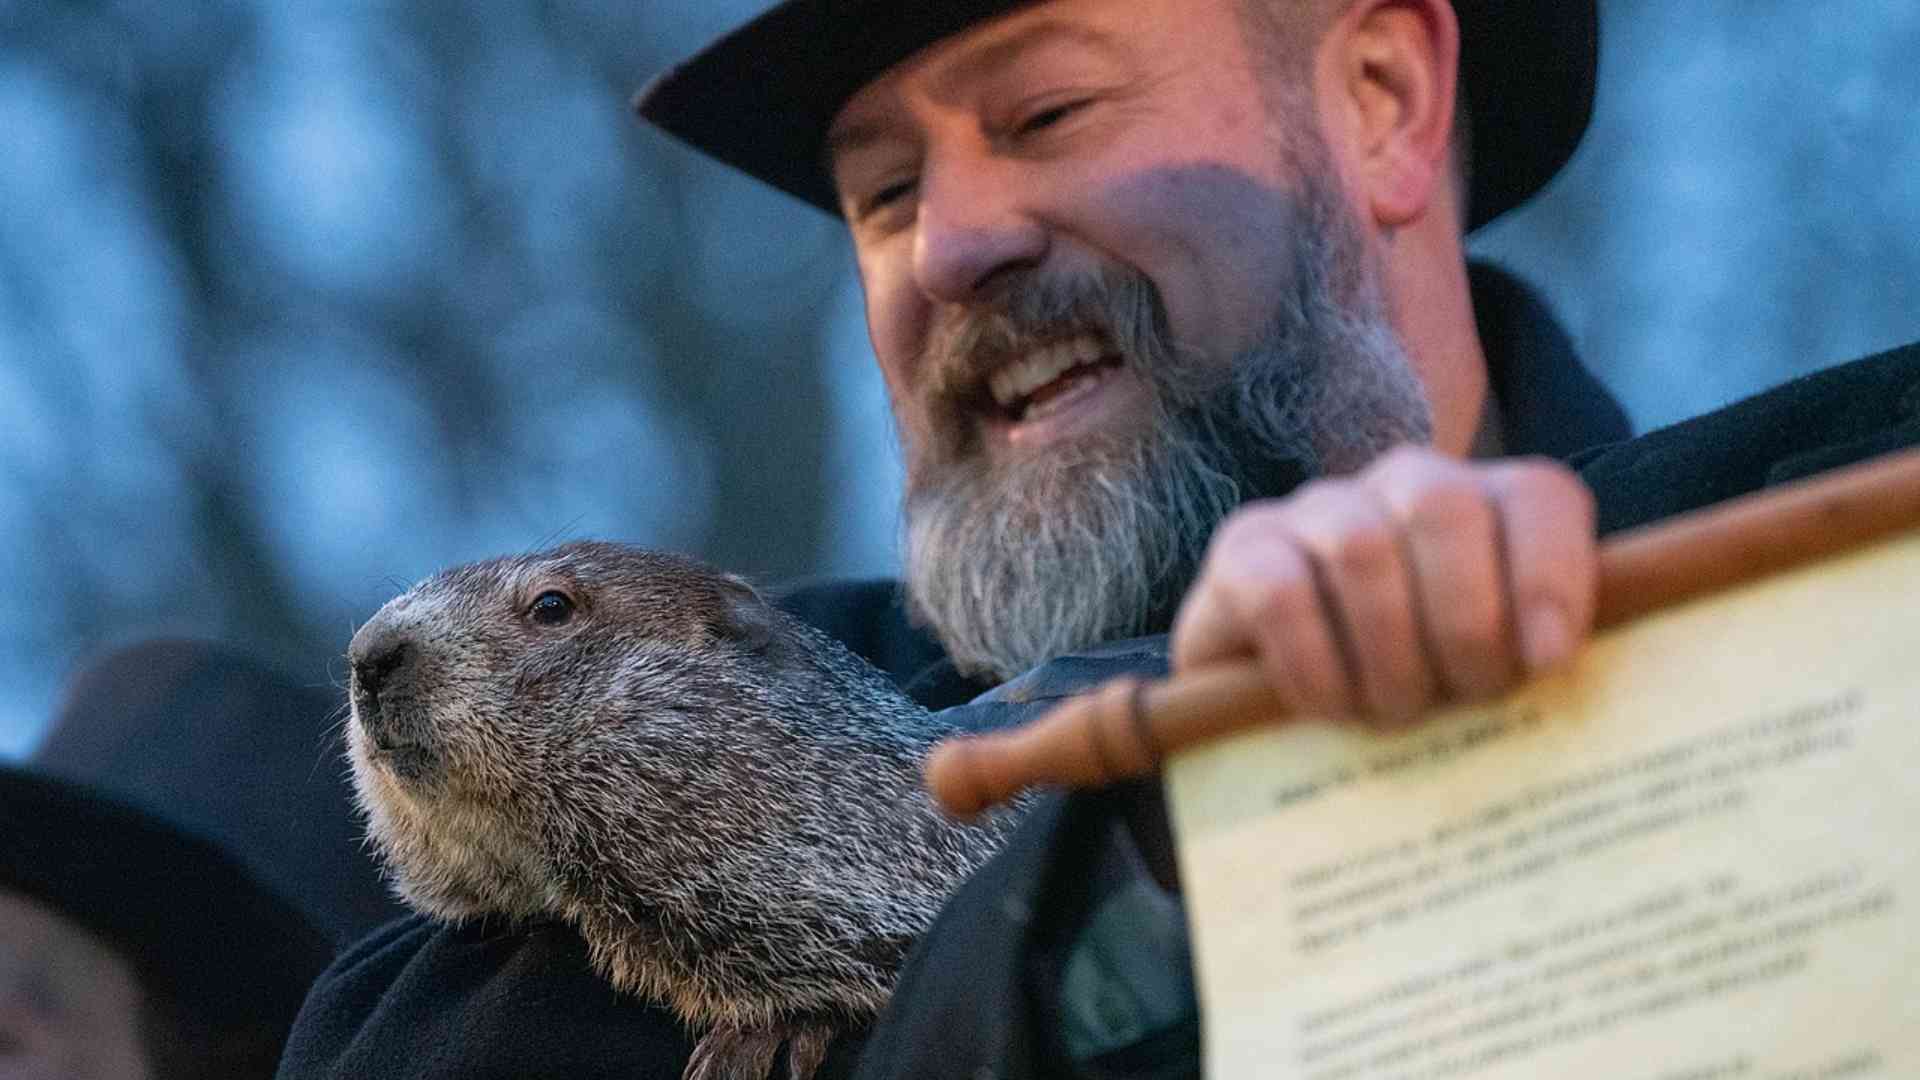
421,1001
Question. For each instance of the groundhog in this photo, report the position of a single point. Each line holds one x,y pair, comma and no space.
724,801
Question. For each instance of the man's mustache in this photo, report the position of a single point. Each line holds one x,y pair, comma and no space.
1118,306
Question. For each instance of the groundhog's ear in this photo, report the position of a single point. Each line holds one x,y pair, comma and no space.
744,616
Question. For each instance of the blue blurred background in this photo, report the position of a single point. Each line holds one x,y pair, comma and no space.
299,302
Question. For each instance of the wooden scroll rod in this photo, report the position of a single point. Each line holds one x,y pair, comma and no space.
1125,728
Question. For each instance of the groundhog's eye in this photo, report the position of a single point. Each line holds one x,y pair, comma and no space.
551,608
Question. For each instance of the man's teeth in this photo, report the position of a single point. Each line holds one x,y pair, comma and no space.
1014,382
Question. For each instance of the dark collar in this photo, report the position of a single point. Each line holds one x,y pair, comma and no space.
1549,402
1808,425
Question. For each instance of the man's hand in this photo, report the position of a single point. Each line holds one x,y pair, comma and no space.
1422,579
1419,580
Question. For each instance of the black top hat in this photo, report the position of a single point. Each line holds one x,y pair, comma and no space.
187,808
762,97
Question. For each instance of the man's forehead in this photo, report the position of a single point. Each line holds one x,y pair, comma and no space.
763,96
948,68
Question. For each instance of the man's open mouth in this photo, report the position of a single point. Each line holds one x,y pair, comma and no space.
1048,377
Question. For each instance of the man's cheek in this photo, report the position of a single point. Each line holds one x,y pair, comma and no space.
1214,240
897,324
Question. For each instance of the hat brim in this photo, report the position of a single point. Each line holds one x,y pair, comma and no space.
194,925
762,97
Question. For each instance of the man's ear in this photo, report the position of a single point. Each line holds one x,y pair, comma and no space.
1392,67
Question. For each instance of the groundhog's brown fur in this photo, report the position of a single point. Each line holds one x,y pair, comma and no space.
723,800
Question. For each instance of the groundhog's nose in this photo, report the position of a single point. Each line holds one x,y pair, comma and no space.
376,653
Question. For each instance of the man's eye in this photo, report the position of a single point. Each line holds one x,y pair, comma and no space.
887,196
1047,117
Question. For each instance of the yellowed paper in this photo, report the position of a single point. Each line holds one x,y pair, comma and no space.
1691,858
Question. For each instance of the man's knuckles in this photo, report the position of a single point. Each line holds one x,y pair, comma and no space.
1411,581
1247,532
1276,590
1543,489
1408,464
1439,509
1242,587
1364,555
1345,532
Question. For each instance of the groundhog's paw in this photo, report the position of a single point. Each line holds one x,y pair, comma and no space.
729,1053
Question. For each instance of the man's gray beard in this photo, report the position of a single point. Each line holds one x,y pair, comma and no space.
1013,563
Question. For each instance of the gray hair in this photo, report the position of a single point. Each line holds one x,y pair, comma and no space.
1013,563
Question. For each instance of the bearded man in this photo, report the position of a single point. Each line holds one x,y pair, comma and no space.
1188,363
1129,266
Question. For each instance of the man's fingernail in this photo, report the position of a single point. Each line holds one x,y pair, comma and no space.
1545,638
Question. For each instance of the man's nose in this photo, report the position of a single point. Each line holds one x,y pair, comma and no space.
974,224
